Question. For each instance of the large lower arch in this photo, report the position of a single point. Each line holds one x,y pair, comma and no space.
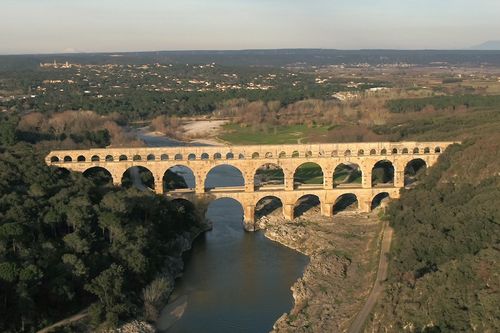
226,211
347,175
379,200
99,176
269,175
383,174
268,206
346,202
413,170
308,174
139,177
183,206
224,175
306,204
178,177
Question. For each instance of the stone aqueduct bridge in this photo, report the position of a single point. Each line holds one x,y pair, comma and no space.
248,159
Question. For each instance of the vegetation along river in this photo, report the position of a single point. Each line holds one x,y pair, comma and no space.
234,281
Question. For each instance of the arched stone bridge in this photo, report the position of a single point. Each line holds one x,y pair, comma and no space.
248,159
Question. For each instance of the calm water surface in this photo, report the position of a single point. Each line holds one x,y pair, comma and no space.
234,281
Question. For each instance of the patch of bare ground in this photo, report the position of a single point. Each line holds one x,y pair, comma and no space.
344,254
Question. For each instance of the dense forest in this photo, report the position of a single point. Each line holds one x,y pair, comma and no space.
444,259
69,243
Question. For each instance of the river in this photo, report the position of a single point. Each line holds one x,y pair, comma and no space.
233,281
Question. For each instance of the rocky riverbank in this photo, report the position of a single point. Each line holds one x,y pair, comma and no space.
343,252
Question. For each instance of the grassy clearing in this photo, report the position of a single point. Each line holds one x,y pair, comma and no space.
235,134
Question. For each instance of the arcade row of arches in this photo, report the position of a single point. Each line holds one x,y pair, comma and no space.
305,206
268,176
255,155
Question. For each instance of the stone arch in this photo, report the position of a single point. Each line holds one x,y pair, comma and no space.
427,150
347,153
383,173
54,159
123,158
309,173
178,177
383,152
416,151
229,156
95,158
347,175
309,154
305,204
345,202
81,158
394,151
295,154
269,174
109,158
138,176
191,157
373,152
405,151
268,205
217,156
68,159
335,153
255,156
99,175
205,156
269,155
437,150
178,157
215,207
137,158
378,200
413,169
151,157
224,175
282,155
164,157
241,157
361,152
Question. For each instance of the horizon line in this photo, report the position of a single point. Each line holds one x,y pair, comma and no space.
236,50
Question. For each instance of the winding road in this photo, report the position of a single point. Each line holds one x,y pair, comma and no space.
378,287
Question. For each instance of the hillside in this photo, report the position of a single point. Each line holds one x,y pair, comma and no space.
492,45
444,273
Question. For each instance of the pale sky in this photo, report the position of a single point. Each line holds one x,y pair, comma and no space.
54,26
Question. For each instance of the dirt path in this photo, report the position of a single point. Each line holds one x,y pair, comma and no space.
359,322
65,322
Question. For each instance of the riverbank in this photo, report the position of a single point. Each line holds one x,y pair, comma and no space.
193,132
344,253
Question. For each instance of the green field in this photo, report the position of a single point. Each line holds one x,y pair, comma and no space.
235,134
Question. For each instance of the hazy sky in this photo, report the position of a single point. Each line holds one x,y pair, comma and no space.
46,26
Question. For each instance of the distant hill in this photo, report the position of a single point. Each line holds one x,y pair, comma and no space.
492,45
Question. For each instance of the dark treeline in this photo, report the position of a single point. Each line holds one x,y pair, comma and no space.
443,102
277,58
69,243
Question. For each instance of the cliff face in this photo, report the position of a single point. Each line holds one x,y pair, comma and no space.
343,254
